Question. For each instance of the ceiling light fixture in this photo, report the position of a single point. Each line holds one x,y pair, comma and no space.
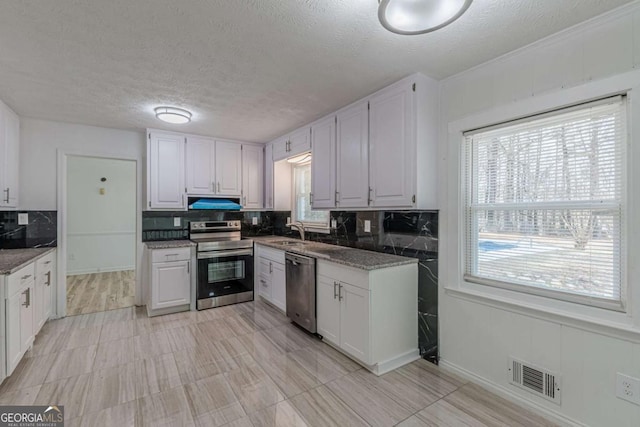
302,158
173,115
410,17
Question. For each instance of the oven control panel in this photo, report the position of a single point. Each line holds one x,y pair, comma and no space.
213,226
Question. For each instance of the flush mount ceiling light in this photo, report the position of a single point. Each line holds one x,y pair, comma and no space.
410,17
302,158
173,115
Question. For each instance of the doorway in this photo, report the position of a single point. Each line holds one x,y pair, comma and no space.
100,234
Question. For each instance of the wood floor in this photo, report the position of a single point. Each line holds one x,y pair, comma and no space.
241,365
91,293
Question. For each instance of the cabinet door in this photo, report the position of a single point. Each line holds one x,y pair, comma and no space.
11,161
200,166
352,154
48,296
268,176
354,321
323,165
264,278
166,171
38,303
26,318
279,286
228,168
252,161
392,147
13,339
170,284
299,142
328,310
280,148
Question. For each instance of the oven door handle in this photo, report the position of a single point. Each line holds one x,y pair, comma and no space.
223,254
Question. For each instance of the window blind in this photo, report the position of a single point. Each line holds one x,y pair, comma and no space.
545,202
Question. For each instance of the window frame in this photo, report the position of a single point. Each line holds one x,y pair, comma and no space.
313,226
469,238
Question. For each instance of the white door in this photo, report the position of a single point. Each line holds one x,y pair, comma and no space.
299,142
200,166
26,318
352,153
279,286
323,164
252,186
268,176
10,166
392,147
166,171
228,168
328,310
354,321
170,283
13,340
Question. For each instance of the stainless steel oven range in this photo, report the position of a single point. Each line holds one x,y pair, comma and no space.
225,264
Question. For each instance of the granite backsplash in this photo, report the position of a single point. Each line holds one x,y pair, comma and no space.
408,233
41,230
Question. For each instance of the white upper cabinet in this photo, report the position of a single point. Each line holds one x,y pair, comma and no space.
392,147
268,176
252,173
9,153
323,164
165,171
228,168
352,156
201,178
297,142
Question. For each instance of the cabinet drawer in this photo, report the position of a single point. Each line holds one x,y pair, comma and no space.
45,264
20,279
168,255
340,273
271,254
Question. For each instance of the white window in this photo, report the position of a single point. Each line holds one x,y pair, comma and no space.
545,203
302,199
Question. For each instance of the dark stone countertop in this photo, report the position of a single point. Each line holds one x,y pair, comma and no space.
170,244
351,257
12,260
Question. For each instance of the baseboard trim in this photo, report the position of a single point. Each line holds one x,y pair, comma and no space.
102,270
395,363
509,395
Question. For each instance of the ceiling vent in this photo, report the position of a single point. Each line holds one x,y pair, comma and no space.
535,380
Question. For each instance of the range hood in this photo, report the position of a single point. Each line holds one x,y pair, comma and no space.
214,204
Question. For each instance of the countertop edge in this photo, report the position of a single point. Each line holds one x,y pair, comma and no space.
169,244
29,261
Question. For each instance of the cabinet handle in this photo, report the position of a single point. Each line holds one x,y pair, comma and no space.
48,278
27,294
370,199
48,262
311,198
168,255
335,293
213,186
337,197
26,277
270,268
7,191
340,291
188,268
218,187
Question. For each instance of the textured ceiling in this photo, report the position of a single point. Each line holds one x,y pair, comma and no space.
248,69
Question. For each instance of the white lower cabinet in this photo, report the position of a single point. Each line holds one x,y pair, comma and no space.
43,292
169,287
270,273
19,315
371,315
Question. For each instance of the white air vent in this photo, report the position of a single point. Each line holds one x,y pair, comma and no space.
531,378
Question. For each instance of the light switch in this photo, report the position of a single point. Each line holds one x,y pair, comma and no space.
176,221
23,219
367,226
334,223
254,220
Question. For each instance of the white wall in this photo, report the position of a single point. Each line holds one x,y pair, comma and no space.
101,228
481,327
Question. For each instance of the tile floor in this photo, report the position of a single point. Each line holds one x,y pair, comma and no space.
90,293
241,365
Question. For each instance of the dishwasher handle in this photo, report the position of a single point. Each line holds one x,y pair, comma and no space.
296,259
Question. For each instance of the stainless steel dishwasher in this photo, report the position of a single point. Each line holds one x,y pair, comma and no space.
301,290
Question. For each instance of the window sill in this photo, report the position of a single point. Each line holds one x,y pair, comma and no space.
617,325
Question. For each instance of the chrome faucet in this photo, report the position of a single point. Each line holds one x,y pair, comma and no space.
298,226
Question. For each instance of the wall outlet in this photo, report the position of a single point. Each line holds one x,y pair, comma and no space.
334,223
176,222
367,226
23,219
254,220
628,388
